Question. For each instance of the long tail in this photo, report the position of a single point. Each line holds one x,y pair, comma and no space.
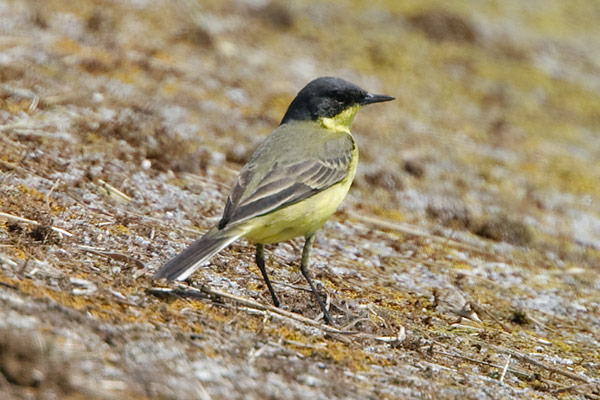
185,263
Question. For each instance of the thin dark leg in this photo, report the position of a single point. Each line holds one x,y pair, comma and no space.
304,268
260,261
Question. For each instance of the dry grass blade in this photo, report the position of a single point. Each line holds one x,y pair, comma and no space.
204,292
7,165
517,372
11,217
19,125
578,389
482,310
113,192
7,261
403,228
505,368
542,365
8,285
113,255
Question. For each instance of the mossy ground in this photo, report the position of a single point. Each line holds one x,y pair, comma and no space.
122,125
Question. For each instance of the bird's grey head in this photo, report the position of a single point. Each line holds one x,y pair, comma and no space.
327,97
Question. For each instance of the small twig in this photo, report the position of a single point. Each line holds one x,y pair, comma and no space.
404,228
356,321
302,345
280,345
253,307
8,285
301,288
458,325
7,165
34,103
393,339
570,388
505,368
207,182
517,372
20,125
540,364
201,391
113,192
577,389
8,261
257,353
479,310
32,222
201,293
541,324
121,299
115,256
160,221
50,193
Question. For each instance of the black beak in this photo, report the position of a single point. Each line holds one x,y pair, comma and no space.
374,98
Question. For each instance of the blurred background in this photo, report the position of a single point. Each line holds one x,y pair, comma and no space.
493,141
497,107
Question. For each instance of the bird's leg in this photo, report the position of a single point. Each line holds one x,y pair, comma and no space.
260,261
304,268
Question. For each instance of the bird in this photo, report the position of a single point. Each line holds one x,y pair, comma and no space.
292,184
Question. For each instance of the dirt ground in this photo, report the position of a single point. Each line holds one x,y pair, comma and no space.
464,263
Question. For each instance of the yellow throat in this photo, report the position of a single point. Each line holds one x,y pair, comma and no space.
341,122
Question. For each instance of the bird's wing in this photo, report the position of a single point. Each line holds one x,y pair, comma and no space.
268,183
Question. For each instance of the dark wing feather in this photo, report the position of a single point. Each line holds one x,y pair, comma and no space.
286,181
236,194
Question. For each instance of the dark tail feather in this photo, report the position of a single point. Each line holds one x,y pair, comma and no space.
185,263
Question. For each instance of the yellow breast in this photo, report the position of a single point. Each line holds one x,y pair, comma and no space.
302,218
